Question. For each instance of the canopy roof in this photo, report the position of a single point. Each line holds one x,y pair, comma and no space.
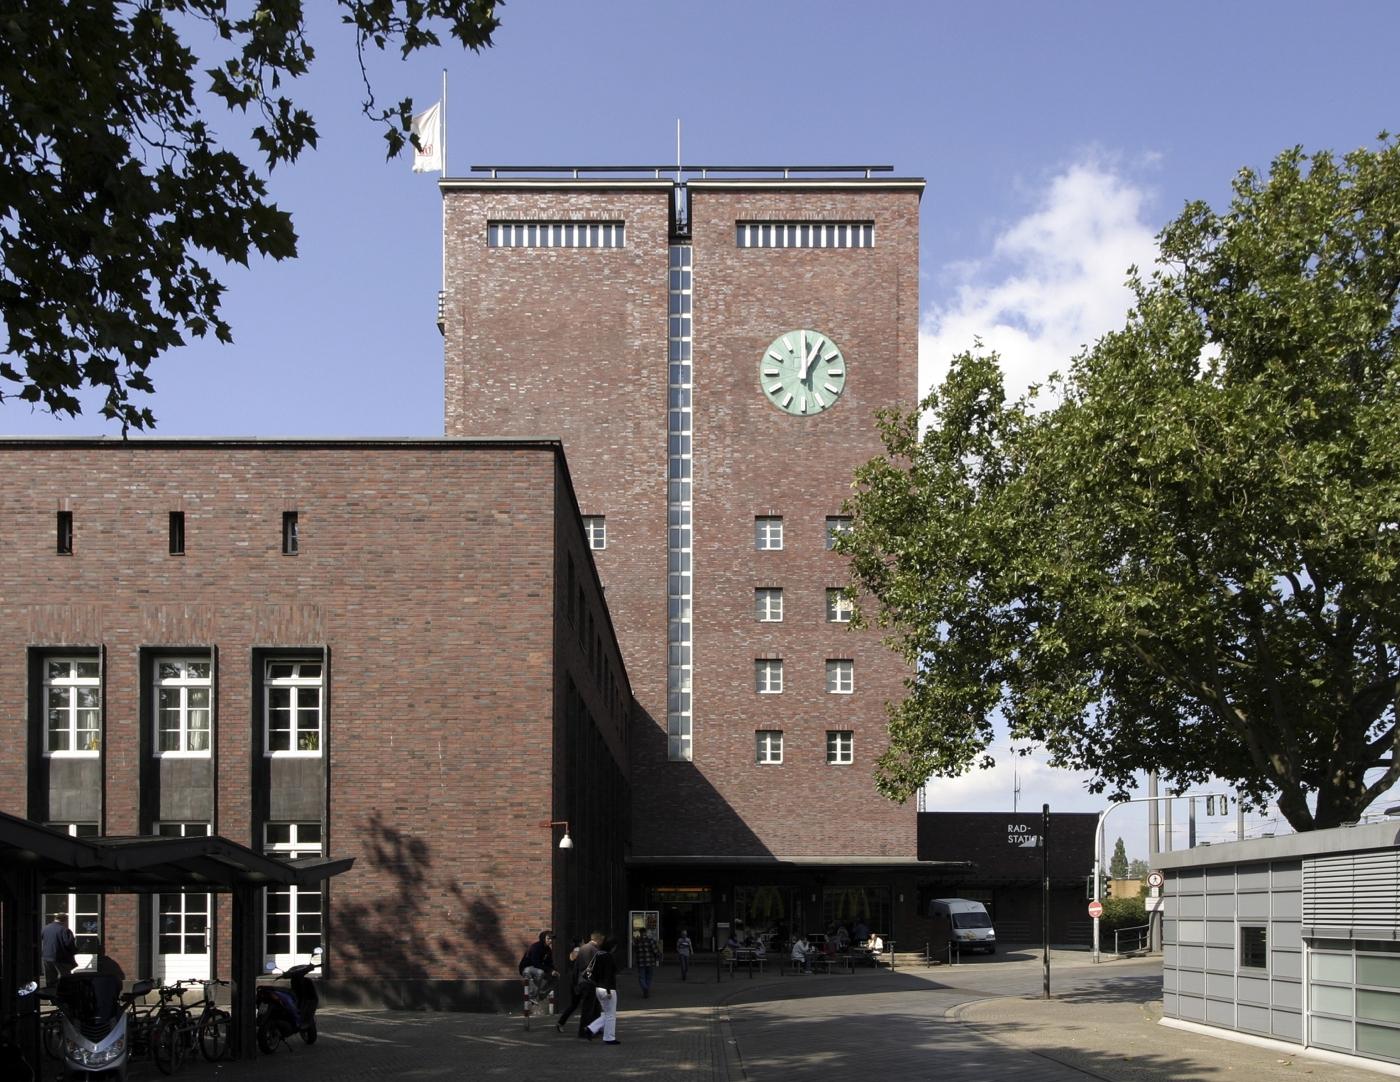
149,864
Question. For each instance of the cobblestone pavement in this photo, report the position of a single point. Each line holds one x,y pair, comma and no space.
979,1021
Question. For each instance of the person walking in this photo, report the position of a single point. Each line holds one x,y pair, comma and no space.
683,949
583,985
647,956
58,948
605,985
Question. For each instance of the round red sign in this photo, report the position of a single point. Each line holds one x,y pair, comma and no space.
1096,909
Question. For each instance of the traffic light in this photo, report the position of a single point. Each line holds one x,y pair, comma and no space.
1108,887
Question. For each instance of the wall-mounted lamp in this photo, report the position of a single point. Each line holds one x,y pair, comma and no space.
565,842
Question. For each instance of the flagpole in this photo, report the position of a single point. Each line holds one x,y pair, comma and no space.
443,175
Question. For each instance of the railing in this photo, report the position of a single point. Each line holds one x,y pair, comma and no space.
1139,936
658,170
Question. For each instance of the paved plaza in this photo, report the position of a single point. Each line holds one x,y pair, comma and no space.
982,1020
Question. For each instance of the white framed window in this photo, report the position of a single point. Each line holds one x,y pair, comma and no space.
768,676
182,918
292,692
768,604
835,526
840,747
840,676
768,533
838,606
183,696
72,706
294,914
595,528
84,911
804,234
545,234
769,746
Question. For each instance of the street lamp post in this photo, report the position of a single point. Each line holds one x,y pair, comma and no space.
1098,841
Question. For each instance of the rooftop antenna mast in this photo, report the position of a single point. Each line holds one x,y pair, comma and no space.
1015,785
678,149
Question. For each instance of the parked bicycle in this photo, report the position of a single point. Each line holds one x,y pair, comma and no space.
180,1028
540,1001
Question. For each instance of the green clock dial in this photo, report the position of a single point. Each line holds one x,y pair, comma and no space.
802,372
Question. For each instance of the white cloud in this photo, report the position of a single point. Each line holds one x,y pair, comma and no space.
1052,284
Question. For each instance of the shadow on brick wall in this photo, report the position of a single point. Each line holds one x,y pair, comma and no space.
391,953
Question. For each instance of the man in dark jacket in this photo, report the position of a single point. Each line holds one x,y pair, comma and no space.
584,997
537,967
58,949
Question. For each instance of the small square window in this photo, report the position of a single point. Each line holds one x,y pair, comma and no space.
177,533
595,528
840,676
768,676
768,533
835,526
768,604
291,540
65,533
840,747
838,606
1254,947
770,746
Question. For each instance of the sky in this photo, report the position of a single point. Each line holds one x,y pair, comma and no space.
1056,139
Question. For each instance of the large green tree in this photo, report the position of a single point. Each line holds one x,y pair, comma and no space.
116,193
1181,556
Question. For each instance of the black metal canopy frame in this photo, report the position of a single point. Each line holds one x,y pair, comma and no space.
35,860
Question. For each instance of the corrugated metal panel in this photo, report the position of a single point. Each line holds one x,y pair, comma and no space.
1352,890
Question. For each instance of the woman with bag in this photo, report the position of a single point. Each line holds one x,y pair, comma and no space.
604,978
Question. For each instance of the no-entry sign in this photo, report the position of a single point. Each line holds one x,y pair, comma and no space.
1096,909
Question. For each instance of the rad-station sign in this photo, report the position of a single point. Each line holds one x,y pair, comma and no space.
1023,835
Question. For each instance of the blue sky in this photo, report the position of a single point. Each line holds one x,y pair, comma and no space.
1056,139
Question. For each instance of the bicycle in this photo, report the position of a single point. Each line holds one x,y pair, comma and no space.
542,997
180,1030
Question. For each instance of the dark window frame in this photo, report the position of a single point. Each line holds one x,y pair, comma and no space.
177,533
1254,946
65,533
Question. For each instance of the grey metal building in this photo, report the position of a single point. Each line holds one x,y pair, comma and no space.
1295,939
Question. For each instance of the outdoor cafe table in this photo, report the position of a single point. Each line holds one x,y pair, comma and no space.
746,956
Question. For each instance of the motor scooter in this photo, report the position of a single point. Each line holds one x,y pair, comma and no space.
17,1037
96,1025
281,1012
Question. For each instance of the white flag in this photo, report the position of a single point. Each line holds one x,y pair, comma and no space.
427,125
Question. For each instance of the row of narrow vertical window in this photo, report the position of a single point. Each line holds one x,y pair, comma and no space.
291,542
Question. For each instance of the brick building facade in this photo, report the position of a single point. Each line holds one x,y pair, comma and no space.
396,651
634,319
418,652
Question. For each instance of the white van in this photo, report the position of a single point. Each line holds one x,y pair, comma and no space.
964,923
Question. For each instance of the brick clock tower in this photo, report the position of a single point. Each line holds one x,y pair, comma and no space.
712,350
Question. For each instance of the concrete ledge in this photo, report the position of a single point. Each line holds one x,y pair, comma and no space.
1341,1058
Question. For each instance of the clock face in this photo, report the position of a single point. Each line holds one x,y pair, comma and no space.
802,372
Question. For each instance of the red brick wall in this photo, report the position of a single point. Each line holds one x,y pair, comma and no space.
752,459
573,343
570,343
426,567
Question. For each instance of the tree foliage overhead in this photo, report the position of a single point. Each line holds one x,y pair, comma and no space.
1187,560
116,194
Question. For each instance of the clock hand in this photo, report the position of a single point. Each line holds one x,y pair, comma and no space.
809,358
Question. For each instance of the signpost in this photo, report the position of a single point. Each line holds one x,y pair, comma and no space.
1096,909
